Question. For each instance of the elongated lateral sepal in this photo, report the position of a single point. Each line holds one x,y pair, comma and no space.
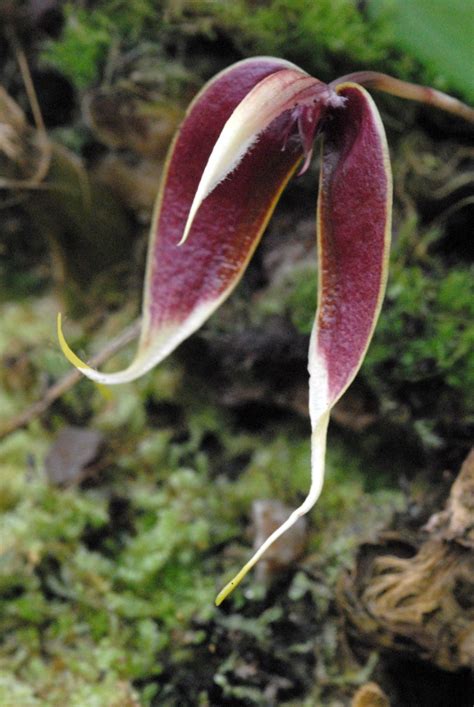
318,442
354,231
67,351
184,286
354,208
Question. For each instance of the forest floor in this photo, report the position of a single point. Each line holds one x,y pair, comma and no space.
124,510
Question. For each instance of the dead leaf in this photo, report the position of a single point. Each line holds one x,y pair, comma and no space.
73,450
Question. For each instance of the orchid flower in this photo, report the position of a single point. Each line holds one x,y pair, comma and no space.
243,137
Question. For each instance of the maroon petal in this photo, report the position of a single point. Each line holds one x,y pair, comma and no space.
184,285
354,222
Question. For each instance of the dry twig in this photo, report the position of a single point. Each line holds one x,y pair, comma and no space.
69,380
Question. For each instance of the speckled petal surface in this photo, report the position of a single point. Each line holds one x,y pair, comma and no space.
354,226
185,284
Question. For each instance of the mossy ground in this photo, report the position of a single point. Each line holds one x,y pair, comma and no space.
107,585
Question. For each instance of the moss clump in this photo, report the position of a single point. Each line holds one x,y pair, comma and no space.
325,37
82,49
423,334
89,35
419,365
313,33
99,581
107,588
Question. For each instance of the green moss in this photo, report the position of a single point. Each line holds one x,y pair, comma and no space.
90,597
107,587
104,586
423,332
83,46
306,31
422,342
321,36
89,35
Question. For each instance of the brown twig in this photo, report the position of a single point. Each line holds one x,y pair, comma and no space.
69,380
44,144
404,89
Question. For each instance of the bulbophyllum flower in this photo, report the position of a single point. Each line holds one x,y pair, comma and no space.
244,136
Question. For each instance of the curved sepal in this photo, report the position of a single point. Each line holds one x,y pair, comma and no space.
354,225
184,285
354,229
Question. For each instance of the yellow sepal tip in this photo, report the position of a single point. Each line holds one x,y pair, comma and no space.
67,351
230,586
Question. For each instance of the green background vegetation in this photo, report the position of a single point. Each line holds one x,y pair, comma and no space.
107,586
